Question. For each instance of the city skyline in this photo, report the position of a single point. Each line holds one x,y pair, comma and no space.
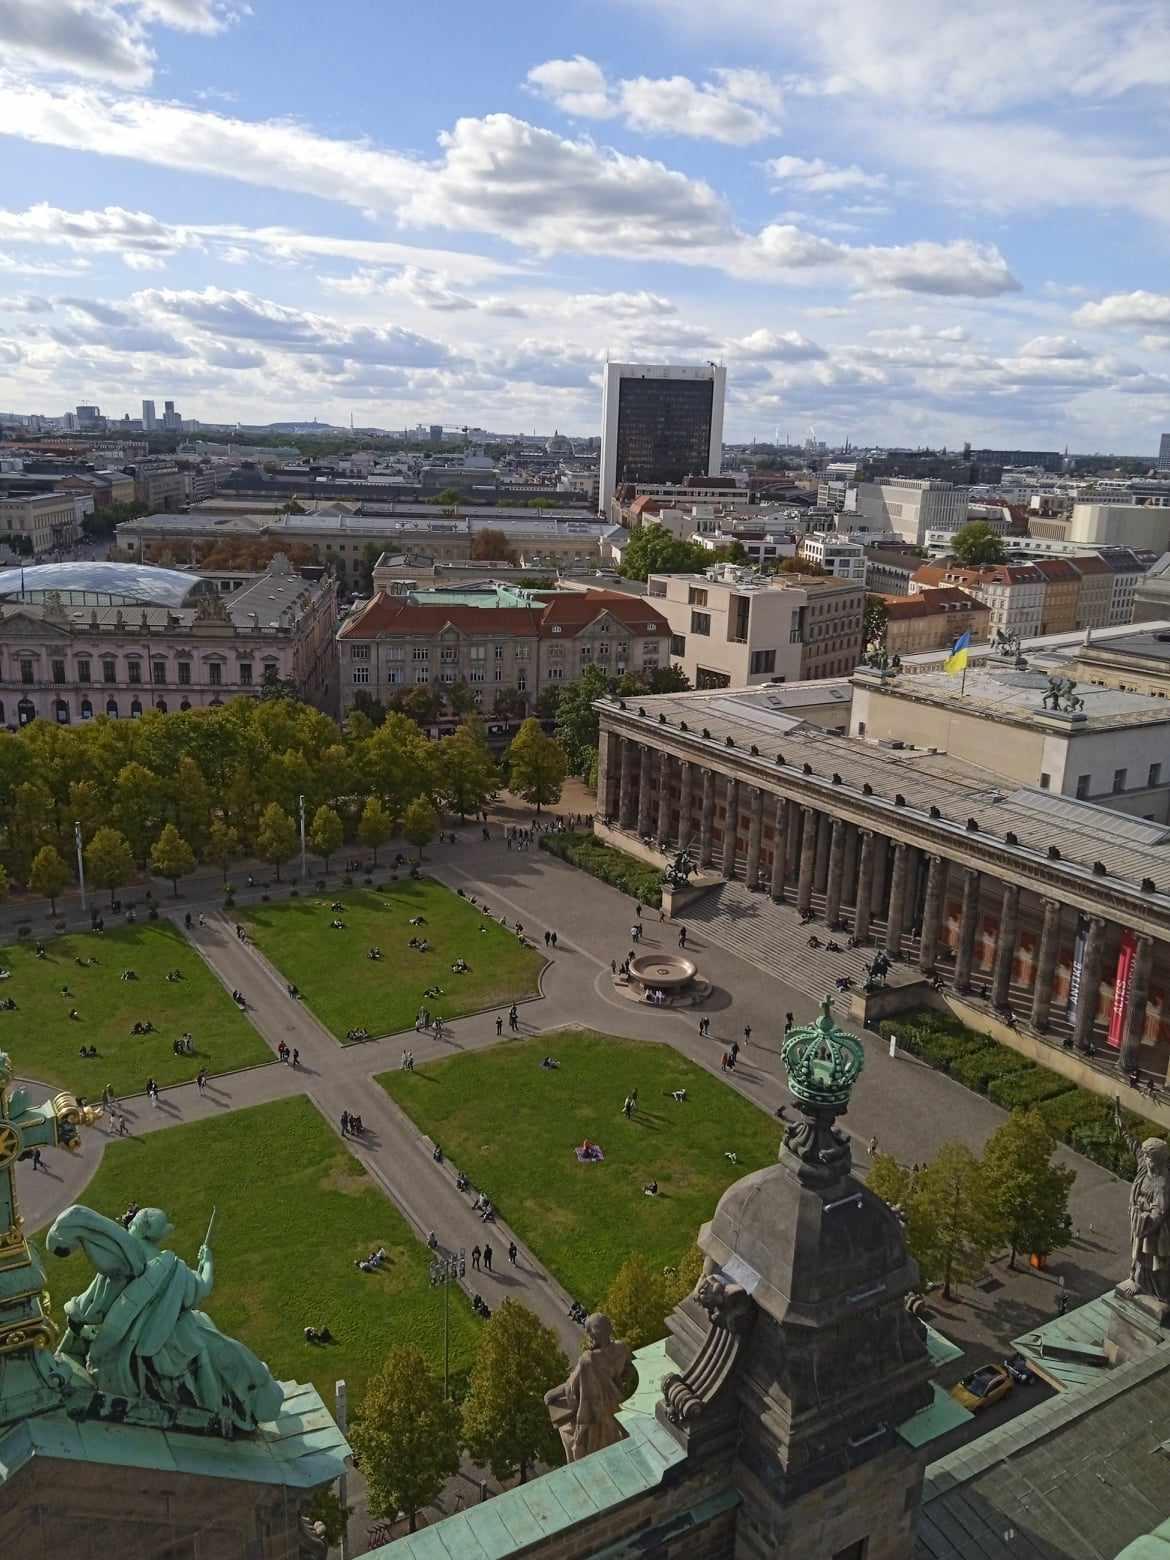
887,224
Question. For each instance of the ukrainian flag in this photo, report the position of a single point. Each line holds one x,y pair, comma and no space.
956,662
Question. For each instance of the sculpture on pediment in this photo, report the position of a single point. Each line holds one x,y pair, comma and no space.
589,1400
1062,696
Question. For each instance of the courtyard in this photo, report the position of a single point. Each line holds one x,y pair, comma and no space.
347,990
512,1125
47,1042
295,1211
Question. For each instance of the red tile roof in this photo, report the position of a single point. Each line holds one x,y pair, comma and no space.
571,614
927,603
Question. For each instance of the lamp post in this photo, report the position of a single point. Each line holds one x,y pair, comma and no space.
80,862
301,811
341,1415
447,1268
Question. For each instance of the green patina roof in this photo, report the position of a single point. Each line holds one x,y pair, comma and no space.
1068,1351
941,1415
941,1350
1151,1546
303,1448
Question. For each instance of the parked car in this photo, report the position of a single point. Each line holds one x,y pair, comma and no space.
983,1387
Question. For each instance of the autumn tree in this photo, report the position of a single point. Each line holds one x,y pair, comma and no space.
108,860
375,826
1024,1193
326,833
636,1302
171,856
948,1228
276,839
505,1422
491,546
48,875
536,765
406,1437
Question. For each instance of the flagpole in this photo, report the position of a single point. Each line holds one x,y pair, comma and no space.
963,681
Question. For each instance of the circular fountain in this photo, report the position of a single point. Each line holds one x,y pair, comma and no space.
664,980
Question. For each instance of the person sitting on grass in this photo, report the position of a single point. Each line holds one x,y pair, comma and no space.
550,1062
461,967
127,975
418,920
650,1189
337,926
373,953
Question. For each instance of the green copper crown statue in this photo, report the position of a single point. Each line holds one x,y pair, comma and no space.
823,1063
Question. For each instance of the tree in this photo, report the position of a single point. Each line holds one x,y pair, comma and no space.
139,804
223,846
466,770
48,875
510,704
875,620
536,765
505,1422
406,1437
419,823
653,550
578,723
375,825
548,701
669,679
491,545
948,1230
636,1303
461,698
3,884
325,833
171,856
1025,1194
192,802
276,839
108,860
30,824
977,543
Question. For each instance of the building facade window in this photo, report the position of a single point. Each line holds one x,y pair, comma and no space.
158,673
59,673
134,671
762,661
245,670
1155,775
421,675
701,623
86,710
26,672
84,673
109,671
361,674
1083,782
359,652
215,674
112,708
678,644
185,674
135,709
393,675
1119,776
420,653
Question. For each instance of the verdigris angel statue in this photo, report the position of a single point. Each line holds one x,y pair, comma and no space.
137,1332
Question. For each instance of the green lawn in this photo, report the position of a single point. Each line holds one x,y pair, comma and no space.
45,1042
295,1210
511,1125
346,990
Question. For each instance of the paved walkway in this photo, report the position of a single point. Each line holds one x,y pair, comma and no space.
906,1106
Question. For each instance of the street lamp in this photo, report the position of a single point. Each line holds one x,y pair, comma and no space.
447,1268
301,810
80,862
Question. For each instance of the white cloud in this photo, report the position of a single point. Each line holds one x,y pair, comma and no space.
113,230
15,265
959,268
1132,308
817,177
789,346
738,107
105,40
1064,347
619,305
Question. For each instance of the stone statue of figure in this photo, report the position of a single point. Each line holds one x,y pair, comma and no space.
1149,1221
593,1393
138,1333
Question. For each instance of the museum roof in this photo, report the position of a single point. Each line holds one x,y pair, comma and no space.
123,583
1004,693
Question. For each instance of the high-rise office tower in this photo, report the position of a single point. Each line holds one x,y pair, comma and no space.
660,424
1164,453
149,420
171,418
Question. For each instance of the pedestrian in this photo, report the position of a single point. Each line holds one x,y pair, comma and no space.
499,1023
410,1061
634,1098
627,1107
613,966
547,939
661,916
475,1258
733,1052
512,1253
789,1020
747,1033
38,1160
682,936
403,1063
723,1062
296,1060
636,932
487,1256
201,1080
345,1123
554,938
872,1146
638,909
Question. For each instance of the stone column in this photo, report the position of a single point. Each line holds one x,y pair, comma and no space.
706,817
1005,946
1090,991
755,837
849,877
627,802
1046,965
730,828
779,848
685,827
663,797
968,926
646,793
793,835
821,866
605,756
864,884
897,899
808,858
1135,1013
836,874
881,875
936,879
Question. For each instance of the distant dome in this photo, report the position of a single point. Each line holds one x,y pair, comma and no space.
87,583
559,445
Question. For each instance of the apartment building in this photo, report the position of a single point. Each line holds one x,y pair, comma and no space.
42,520
1014,592
1062,598
911,506
159,487
933,620
731,628
842,559
393,642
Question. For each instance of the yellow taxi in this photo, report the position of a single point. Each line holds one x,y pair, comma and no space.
982,1387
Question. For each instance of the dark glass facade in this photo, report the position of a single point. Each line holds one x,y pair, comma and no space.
663,429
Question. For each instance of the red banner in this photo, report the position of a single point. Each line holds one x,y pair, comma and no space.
1125,955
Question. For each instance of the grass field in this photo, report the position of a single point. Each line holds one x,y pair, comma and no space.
511,1125
346,990
45,1042
295,1210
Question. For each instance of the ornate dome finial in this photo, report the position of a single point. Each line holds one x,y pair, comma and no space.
823,1062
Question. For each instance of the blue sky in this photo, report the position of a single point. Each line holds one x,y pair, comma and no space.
897,220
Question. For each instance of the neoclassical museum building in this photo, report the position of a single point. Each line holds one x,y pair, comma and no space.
1048,912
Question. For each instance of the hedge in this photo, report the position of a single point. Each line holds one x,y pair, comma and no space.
611,866
1079,1117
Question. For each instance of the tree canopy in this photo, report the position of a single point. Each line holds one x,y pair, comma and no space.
977,543
406,1436
505,1421
653,550
536,765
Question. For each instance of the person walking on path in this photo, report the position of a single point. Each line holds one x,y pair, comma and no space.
553,935
547,939
747,1034
475,1258
872,1146
499,1023
682,936
512,1253
638,909
789,1020
513,1018
487,1256
345,1123
201,1080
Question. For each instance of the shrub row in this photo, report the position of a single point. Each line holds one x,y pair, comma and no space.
1078,1117
611,866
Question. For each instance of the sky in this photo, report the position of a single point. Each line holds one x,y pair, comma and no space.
897,221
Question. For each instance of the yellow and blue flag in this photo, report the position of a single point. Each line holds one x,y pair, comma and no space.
956,662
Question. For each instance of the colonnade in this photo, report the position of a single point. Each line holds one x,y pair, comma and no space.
890,892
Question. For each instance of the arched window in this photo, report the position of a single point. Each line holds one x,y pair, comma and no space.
161,705
26,710
112,708
86,710
135,708
61,711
